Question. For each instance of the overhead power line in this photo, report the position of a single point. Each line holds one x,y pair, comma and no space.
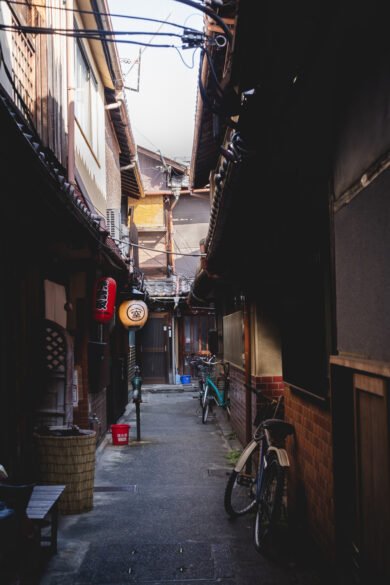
190,40
42,30
156,250
94,12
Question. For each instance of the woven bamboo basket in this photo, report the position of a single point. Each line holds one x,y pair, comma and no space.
70,461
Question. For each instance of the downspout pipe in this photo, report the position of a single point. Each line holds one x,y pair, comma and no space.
115,105
171,259
176,199
70,94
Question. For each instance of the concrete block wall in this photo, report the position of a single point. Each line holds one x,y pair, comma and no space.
310,495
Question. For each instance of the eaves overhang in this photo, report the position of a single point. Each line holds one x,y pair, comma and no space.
30,150
131,178
202,289
212,111
178,167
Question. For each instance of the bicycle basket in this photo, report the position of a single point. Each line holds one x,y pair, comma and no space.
215,371
220,377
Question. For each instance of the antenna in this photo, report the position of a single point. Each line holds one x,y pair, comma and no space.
138,61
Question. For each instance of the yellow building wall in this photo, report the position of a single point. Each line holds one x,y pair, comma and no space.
149,212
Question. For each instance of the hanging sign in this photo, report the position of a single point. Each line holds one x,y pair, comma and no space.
104,299
133,313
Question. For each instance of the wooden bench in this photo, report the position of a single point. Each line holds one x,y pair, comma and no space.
42,509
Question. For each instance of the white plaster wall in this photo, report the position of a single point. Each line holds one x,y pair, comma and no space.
190,224
92,165
114,189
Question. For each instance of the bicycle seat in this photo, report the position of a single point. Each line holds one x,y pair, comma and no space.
278,426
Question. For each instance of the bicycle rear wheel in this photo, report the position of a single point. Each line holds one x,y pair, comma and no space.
201,392
240,492
270,501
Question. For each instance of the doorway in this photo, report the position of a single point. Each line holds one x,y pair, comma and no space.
372,457
361,421
194,339
154,349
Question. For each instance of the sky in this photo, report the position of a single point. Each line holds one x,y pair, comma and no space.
162,112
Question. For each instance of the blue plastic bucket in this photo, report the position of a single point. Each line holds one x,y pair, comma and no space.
185,379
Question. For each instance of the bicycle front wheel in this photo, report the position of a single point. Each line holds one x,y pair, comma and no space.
270,501
240,492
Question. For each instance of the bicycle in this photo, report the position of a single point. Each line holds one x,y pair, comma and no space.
215,388
199,363
258,480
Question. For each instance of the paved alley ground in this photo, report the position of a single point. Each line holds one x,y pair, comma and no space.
158,515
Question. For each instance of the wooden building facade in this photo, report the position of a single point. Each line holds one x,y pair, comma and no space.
297,252
67,159
171,220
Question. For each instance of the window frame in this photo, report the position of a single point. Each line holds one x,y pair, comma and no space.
90,130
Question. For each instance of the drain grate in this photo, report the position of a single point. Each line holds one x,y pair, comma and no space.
116,488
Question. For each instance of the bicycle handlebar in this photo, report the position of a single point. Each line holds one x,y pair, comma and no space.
205,360
200,361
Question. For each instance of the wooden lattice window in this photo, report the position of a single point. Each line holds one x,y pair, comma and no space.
23,69
56,349
56,398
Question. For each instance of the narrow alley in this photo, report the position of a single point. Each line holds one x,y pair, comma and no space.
194,190
158,513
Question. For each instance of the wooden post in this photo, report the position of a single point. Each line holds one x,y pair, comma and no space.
248,369
138,418
70,56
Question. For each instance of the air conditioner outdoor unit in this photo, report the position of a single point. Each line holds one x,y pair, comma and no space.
113,223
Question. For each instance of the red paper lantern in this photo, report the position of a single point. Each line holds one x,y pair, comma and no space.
104,299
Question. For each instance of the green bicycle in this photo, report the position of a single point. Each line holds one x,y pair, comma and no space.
215,387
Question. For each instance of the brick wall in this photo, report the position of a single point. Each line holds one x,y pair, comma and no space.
270,386
310,451
311,472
